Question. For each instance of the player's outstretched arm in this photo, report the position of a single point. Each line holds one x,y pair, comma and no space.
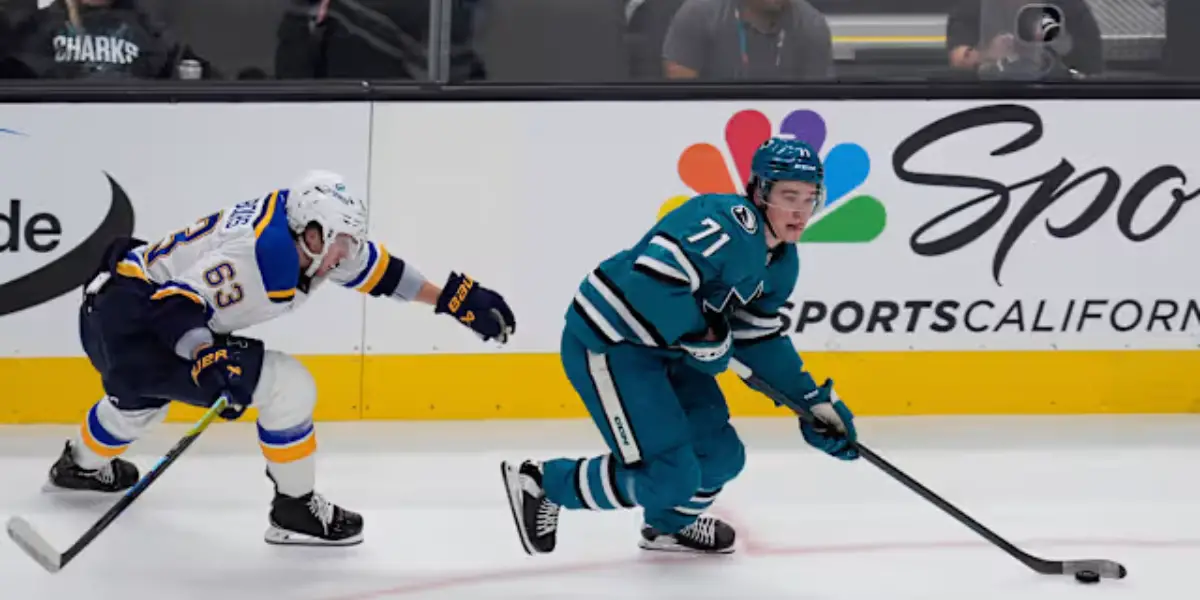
373,270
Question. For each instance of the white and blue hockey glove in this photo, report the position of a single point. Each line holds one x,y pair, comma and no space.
832,430
709,352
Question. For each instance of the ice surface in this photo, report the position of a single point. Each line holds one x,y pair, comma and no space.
810,527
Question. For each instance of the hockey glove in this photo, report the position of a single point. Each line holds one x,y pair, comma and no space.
216,371
481,309
832,430
709,352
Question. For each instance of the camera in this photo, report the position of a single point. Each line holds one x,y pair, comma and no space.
1039,23
1040,41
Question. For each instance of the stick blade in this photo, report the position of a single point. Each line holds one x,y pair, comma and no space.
34,544
1105,568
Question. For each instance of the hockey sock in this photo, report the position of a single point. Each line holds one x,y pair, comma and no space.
699,503
290,455
597,483
107,431
673,519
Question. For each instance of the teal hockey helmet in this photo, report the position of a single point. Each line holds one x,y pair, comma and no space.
786,159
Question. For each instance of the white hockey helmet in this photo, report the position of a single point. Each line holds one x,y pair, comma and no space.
323,198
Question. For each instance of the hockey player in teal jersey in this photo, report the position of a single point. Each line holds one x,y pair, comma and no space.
646,335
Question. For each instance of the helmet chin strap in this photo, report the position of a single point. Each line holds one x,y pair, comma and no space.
762,188
316,259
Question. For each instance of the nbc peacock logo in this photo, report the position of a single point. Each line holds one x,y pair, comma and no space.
848,216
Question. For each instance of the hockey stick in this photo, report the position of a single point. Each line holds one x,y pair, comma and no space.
53,561
1101,567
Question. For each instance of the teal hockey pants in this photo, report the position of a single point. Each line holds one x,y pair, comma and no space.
671,446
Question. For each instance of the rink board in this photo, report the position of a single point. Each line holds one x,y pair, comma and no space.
973,258
531,386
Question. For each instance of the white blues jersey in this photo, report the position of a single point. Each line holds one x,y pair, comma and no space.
242,266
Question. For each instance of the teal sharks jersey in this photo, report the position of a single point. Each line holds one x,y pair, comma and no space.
708,255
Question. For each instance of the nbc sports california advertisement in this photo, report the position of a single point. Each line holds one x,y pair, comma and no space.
971,257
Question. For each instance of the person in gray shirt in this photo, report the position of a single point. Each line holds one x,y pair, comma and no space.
772,40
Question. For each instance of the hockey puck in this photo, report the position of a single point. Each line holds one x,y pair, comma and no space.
1087,577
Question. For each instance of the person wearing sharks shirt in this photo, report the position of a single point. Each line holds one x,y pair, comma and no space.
116,39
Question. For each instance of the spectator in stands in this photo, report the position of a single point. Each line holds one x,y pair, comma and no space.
772,40
94,39
982,39
369,39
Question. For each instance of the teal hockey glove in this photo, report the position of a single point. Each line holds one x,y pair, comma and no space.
832,429
709,352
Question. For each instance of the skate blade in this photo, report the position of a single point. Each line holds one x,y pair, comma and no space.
48,487
512,486
281,537
657,546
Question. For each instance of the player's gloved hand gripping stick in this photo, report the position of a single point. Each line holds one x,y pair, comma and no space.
52,560
1099,567
216,370
709,352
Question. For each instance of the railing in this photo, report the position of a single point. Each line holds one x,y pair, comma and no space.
104,50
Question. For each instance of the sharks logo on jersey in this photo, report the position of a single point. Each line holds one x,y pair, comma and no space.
719,302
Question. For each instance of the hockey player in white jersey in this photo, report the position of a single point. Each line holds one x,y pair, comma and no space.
157,322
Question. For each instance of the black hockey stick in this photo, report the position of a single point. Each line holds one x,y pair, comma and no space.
1101,567
52,560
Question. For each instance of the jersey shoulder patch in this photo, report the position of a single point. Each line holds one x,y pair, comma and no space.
275,250
734,211
745,216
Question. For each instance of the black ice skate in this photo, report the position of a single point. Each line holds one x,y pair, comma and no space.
708,535
311,520
116,476
536,517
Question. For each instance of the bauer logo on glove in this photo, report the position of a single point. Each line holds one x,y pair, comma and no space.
217,370
460,294
206,359
482,310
